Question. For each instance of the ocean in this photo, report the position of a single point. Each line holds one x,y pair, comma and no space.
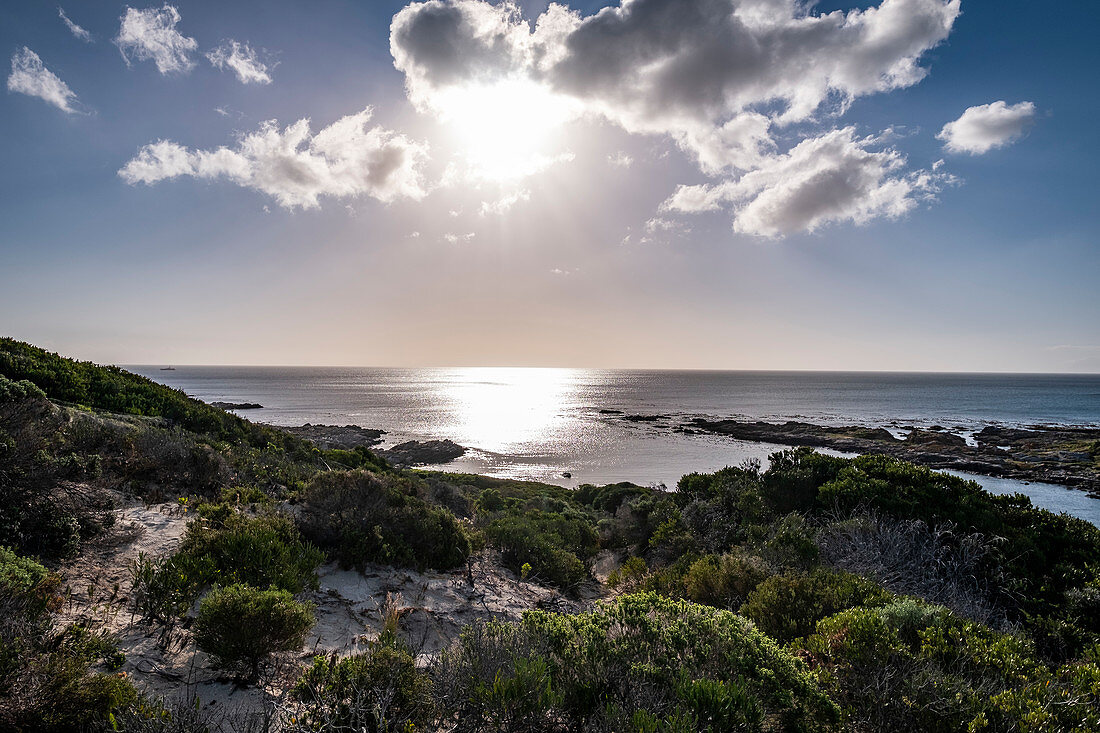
541,424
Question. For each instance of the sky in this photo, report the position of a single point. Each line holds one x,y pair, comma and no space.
720,184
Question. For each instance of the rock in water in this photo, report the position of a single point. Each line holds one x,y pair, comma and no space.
420,453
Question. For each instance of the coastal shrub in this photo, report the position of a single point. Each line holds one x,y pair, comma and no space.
671,539
19,574
496,677
939,564
50,500
51,523
788,543
724,581
47,673
241,626
1042,555
156,456
629,575
223,547
931,534
557,545
112,389
794,476
379,690
358,457
361,517
610,497
912,666
164,588
262,551
717,507
14,391
788,606
642,659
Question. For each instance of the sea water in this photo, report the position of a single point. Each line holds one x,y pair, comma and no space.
541,424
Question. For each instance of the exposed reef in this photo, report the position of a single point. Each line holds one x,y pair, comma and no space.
344,437
422,452
1066,456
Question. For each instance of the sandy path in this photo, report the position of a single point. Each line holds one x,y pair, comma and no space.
433,608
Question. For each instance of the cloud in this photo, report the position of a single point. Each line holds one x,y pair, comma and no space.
295,166
242,60
504,204
151,35
987,126
620,160
714,74
452,238
832,178
725,79
30,76
74,28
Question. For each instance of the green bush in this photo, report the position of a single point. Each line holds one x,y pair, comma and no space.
165,588
223,547
629,575
112,389
13,391
610,497
788,606
639,659
911,666
794,476
362,517
379,690
240,626
263,551
556,545
724,581
788,543
19,574
48,680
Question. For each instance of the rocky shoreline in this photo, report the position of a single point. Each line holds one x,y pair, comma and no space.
344,437
403,455
1066,456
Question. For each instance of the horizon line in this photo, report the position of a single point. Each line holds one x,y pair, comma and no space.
177,365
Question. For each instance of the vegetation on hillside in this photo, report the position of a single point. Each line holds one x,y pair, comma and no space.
822,593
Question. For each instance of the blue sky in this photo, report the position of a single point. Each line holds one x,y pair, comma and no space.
556,197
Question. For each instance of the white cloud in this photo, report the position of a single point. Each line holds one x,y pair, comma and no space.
151,35
504,204
296,167
987,126
242,60
73,27
714,74
30,76
832,178
725,79
620,160
659,224
452,238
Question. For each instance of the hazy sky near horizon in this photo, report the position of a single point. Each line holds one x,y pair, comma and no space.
729,184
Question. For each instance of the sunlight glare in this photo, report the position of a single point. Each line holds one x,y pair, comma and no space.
504,128
501,408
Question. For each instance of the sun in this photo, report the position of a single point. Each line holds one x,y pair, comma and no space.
505,129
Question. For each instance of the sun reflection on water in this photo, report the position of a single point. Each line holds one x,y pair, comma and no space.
502,409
